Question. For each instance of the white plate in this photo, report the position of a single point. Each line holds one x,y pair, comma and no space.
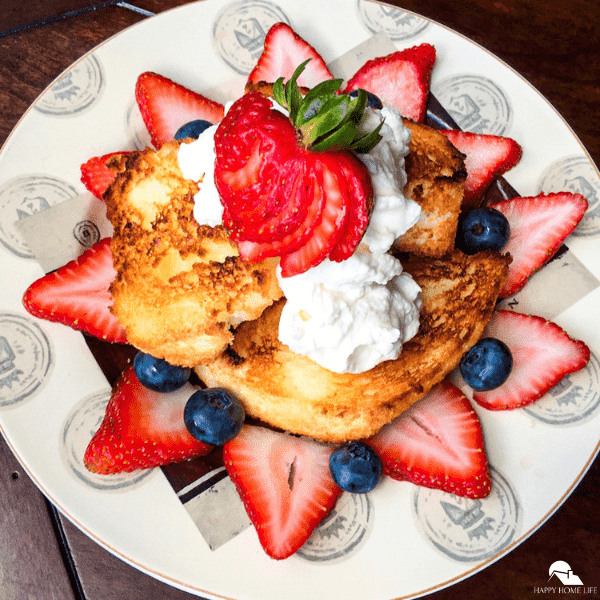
47,374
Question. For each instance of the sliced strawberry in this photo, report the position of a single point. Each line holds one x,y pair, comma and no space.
359,191
328,232
487,157
284,50
142,429
437,443
400,80
282,195
166,106
256,251
77,295
257,171
285,484
95,174
538,227
542,355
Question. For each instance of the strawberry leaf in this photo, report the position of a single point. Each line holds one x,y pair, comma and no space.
367,142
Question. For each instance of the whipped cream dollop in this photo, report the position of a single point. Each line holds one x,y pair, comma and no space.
393,213
347,316
197,162
350,316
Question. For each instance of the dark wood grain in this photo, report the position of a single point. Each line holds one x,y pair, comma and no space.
105,577
31,565
554,45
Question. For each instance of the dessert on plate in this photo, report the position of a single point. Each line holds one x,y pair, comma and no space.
323,259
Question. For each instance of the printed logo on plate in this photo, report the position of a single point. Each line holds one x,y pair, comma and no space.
476,104
80,425
578,175
397,24
23,196
25,359
75,92
239,32
574,400
469,530
342,532
86,233
136,127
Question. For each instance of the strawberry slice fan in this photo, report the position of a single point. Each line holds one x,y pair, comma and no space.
284,481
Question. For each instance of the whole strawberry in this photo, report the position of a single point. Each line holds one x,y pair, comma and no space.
289,185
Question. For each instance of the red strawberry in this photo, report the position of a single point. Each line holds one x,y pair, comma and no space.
538,226
77,294
400,80
487,157
437,443
166,106
257,251
282,198
142,429
95,174
542,355
342,223
285,484
283,51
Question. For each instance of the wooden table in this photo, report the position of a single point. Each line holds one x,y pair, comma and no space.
555,45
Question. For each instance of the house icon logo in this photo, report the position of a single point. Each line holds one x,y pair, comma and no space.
562,580
564,573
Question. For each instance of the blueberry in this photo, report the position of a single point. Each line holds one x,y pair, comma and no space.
192,129
213,416
487,364
355,467
159,375
372,100
482,229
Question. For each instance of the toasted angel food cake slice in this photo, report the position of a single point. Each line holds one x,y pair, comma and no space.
180,286
436,178
291,392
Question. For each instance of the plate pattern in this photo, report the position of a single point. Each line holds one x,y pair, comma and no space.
217,45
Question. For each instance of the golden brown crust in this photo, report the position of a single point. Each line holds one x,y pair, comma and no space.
435,180
265,88
292,392
180,286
